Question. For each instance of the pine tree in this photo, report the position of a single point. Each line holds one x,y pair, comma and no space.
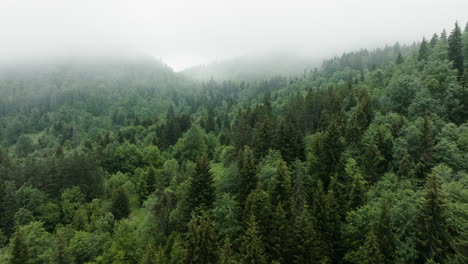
358,184
432,235
201,190
423,50
399,59
370,252
247,175
383,229
62,256
289,139
120,207
252,249
7,207
19,250
425,147
455,49
305,249
281,186
434,40
227,254
200,242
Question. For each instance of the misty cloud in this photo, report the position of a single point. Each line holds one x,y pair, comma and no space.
186,33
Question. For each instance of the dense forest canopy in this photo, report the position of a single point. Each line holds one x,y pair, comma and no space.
361,160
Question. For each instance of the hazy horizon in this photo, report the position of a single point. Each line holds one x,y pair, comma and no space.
183,35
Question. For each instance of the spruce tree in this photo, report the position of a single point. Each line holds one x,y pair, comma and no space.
262,137
431,227
7,207
305,247
399,59
252,250
425,147
149,183
120,206
434,40
423,50
227,253
383,229
201,190
289,139
443,36
280,191
455,54
370,252
358,188
247,175
281,238
19,250
200,242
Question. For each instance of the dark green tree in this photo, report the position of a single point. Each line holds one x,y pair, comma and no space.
370,252
227,253
7,207
425,147
423,50
280,191
455,54
200,242
399,59
201,190
120,206
252,250
19,249
383,230
289,139
434,40
431,227
247,175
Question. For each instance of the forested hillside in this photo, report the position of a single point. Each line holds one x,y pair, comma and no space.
363,160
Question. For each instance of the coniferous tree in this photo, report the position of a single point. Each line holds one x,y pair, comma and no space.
262,137
62,256
434,40
383,230
370,253
200,241
120,206
423,50
19,250
281,186
425,147
149,183
227,253
399,59
455,49
201,190
305,247
358,184
443,36
289,139
281,238
252,250
247,175
7,207
432,234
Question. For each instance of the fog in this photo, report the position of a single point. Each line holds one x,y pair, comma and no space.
188,33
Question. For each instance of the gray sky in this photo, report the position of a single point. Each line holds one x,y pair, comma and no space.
187,33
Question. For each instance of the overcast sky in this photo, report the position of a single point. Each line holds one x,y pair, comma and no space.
187,33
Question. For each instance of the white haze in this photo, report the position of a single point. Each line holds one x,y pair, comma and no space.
187,33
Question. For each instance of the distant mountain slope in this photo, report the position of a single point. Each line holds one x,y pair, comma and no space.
254,67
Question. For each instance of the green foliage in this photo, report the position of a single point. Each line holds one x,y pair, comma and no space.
120,206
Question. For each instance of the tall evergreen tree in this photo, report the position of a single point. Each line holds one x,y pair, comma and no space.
305,247
383,229
434,40
423,50
289,139
431,226
455,49
252,250
227,253
19,250
443,36
247,175
399,59
425,147
120,206
201,190
7,207
200,242
370,252
281,186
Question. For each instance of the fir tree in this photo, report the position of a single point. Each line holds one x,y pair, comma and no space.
383,230
289,139
423,50
370,252
281,186
19,250
201,190
247,175
455,49
252,249
304,249
200,242
425,147
431,227
281,237
434,40
399,59
227,254
120,207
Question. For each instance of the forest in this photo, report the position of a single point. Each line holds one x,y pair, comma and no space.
122,160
